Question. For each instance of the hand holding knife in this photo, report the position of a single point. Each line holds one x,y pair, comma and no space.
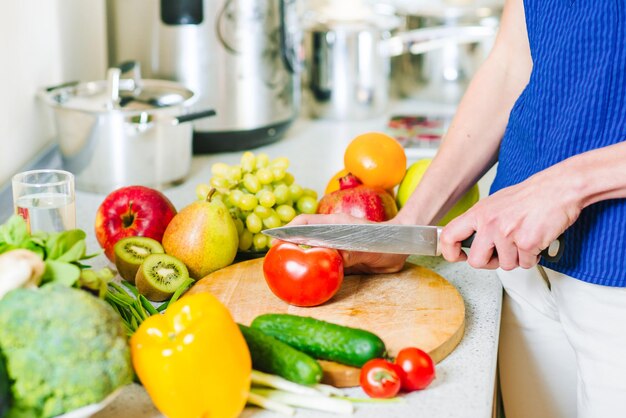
381,238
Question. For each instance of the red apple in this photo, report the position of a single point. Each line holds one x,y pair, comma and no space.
130,212
360,201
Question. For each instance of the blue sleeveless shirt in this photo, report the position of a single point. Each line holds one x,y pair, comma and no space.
574,102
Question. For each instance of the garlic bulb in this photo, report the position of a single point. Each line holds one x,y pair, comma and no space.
19,268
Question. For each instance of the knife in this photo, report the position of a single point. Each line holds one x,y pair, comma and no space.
381,238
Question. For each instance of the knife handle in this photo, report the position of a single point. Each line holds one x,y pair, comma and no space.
552,254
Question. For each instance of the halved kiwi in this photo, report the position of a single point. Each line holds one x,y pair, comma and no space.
130,252
159,276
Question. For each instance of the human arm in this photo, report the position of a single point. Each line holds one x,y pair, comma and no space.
521,220
471,144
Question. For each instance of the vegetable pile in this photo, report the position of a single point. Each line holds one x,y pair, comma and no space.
62,253
65,344
64,349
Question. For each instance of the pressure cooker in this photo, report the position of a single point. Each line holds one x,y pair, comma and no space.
238,56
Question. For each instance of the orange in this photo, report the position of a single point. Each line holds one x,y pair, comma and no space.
333,184
377,159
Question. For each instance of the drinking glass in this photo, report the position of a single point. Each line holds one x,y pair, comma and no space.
45,199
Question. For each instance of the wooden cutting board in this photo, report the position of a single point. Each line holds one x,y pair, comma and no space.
414,307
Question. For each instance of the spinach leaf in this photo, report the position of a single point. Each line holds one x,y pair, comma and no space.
13,234
75,253
60,243
60,272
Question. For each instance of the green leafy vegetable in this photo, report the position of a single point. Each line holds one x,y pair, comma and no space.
60,272
133,307
63,252
96,281
14,234
62,244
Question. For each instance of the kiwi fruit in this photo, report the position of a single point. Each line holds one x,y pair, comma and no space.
159,276
130,253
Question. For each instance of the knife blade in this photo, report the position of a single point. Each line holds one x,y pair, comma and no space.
381,238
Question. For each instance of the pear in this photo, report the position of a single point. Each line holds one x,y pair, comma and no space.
412,178
203,236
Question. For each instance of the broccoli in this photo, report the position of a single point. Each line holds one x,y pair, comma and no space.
64,349
5,393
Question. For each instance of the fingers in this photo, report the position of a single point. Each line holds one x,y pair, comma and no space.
306,220
527,259
528,254
485,253
451,237
482,254
505,253
335,218
355,262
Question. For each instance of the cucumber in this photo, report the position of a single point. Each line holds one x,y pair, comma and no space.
5,389
321,339
273,356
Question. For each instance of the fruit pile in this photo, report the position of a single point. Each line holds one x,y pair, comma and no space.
260,194
374,164
130,224
159,250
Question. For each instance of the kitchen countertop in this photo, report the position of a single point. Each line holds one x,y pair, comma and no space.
465,381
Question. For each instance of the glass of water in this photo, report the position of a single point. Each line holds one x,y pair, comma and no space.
45,199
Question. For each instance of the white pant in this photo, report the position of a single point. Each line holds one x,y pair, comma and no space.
562,347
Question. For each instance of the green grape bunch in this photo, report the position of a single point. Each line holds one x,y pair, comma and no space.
260,194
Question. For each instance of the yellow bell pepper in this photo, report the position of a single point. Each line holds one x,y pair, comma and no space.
193,360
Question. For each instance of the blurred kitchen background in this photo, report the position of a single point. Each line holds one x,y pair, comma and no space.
260,63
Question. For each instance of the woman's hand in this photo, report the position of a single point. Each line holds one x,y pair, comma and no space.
518,222
355,262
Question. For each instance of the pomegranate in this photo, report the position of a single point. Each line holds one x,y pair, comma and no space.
360,201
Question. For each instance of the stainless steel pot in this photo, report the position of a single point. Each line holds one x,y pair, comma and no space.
347,64
443,74
118,132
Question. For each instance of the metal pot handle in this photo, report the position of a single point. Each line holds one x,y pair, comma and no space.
113,86
419,41
193,116
61,86
131,70
287,53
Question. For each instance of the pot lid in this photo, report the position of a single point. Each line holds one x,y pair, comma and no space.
115,93
447,8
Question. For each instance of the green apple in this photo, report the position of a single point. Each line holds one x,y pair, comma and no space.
412,178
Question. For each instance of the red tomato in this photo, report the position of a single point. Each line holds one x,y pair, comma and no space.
380,378
303,276
418,367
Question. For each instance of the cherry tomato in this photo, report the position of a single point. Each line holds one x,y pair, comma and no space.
418,368
303,276
380,378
